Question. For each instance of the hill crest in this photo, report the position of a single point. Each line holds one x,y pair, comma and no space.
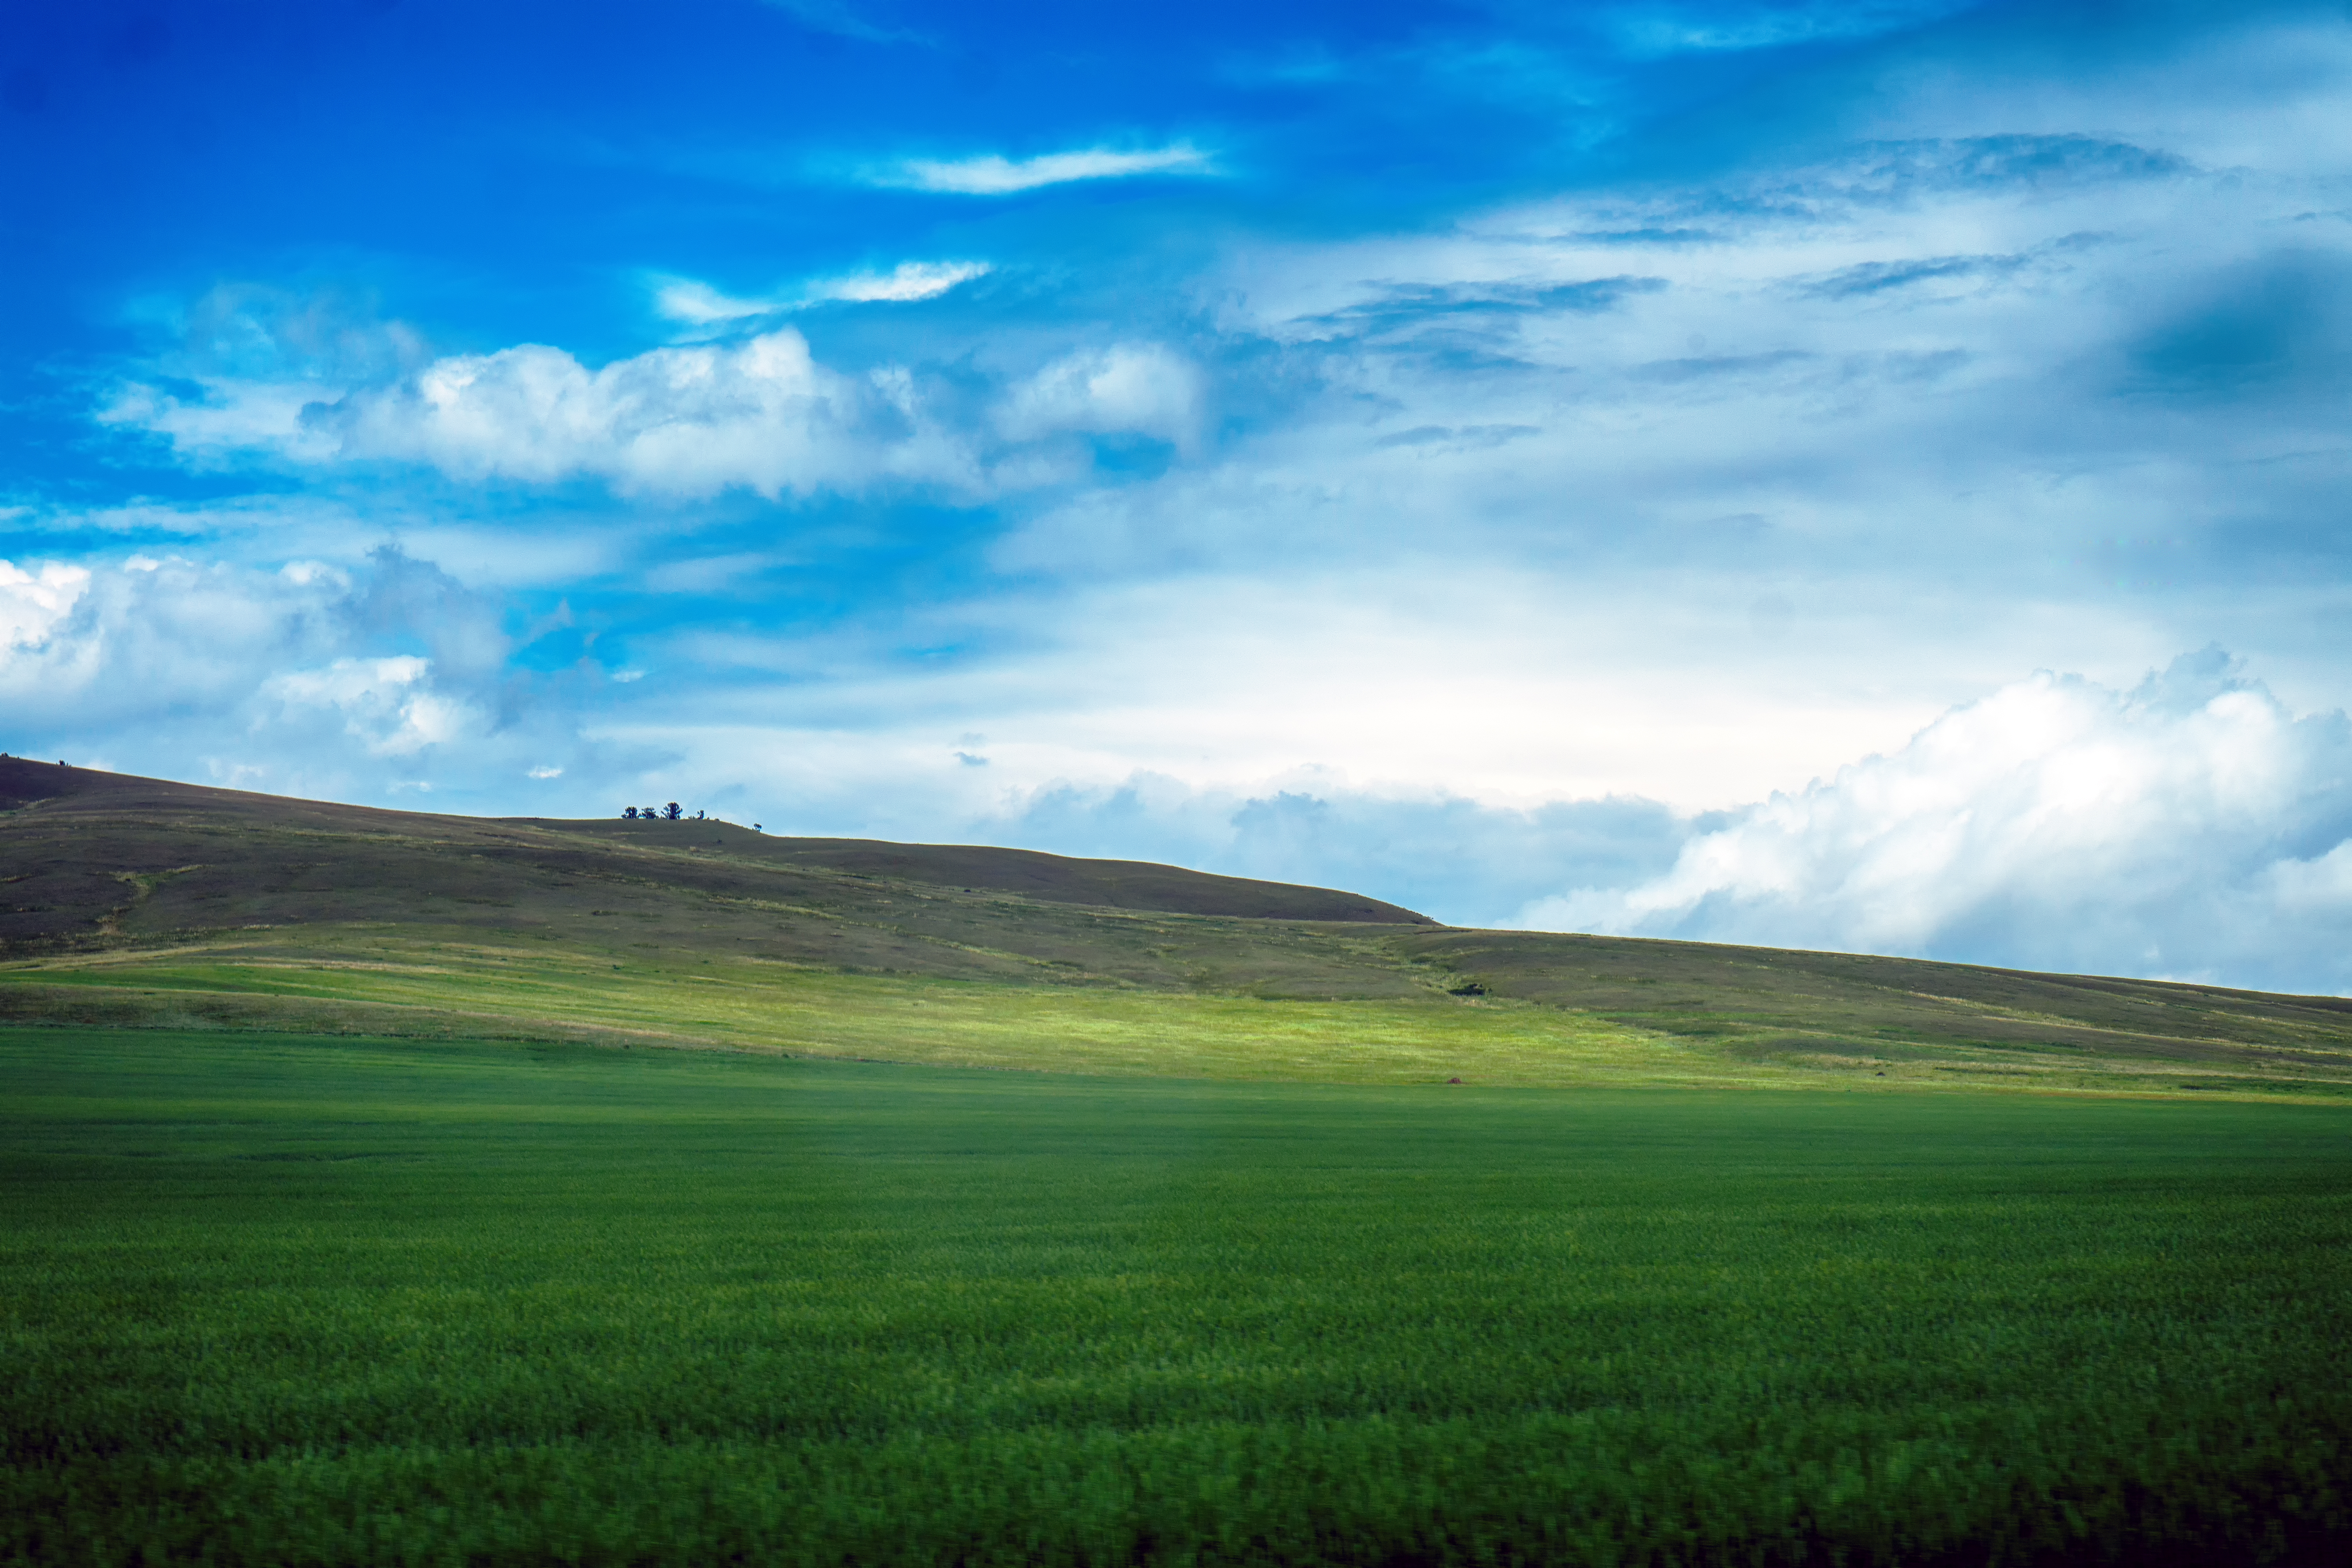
92,796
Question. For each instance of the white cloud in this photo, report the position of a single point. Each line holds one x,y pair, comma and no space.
2191,826
908,281
33,602
1652,30
386,703
1143,389
1445,673
230,416
108,644
298,682
994,176
699,304
762,415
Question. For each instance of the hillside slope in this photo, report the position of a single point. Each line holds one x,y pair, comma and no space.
97,852
133,900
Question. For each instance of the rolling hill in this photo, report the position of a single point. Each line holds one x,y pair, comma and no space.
133,900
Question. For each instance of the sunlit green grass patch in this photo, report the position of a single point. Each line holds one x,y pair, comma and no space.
909,1018
279,1300
367,981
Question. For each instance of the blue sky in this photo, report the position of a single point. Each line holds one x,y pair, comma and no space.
1860,476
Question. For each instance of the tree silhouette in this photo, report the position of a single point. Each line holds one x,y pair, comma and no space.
672,812
629,812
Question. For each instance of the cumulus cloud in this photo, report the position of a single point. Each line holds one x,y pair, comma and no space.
140,635
313,679
536,412
1140,388
31,603
2191,826
995,175
762,414
387,704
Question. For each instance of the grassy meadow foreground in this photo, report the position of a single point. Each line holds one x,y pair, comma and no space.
380,1187
283,1299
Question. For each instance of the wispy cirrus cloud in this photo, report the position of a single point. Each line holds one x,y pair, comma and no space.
1652,30
699,304
844,21
908,281
993,175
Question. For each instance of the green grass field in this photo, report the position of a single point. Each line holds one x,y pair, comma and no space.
456,983
271,1299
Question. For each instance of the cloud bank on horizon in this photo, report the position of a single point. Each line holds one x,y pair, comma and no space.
1861,476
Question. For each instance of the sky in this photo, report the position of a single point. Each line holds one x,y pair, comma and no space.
1857,476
